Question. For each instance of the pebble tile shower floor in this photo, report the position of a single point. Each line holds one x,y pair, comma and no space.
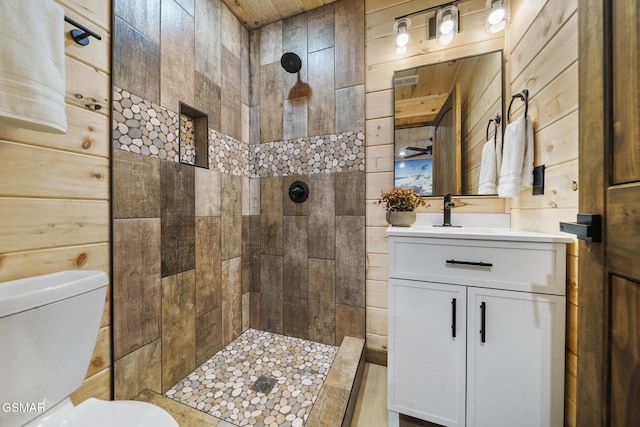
222,386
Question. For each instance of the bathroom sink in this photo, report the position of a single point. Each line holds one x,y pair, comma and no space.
478,233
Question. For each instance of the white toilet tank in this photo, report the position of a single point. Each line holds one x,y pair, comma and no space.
48,330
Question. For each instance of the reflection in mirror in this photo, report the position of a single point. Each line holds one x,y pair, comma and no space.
441,115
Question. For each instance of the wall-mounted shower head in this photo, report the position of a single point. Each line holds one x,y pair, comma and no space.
291,62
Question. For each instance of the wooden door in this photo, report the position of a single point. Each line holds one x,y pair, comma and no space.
447,166
426,355
609,272
515,358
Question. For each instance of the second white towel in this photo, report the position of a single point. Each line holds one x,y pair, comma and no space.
488,168
516,172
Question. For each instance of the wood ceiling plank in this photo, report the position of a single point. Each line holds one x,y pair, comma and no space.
287,8
244,13
257,13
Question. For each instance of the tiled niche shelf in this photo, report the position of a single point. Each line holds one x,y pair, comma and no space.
194,136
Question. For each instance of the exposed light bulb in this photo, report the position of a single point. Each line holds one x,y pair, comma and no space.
447,23
497,18
496,15
402,153
402,39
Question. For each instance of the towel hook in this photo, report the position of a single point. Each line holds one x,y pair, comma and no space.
81,35
496,122
524,96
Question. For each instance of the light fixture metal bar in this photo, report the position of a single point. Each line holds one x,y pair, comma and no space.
430,9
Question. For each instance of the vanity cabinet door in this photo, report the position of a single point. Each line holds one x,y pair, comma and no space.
515,361
427,340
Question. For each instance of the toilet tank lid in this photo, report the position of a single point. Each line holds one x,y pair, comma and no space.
32,292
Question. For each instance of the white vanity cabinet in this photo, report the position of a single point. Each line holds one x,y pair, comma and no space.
476,327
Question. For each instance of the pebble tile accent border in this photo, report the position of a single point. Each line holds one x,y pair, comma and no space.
222,385
322,154
143,127
227,154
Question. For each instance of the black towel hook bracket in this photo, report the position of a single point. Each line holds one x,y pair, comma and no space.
81,35
496,122
524,96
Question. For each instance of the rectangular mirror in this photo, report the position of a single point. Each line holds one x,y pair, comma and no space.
441,117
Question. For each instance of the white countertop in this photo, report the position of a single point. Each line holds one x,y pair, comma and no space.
478,233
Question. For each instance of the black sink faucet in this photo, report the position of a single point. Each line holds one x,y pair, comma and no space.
448,204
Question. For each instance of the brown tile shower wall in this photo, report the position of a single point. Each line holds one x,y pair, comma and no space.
177,269
327,95
177,229
307,272
309,282
200,255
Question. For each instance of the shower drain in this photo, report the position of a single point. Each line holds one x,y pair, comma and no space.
263,385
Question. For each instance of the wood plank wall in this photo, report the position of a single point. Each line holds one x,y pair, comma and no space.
543,53
381,62
54,189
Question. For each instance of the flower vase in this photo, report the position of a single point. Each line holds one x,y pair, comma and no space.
401,218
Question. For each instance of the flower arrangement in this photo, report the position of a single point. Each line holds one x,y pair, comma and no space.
401,200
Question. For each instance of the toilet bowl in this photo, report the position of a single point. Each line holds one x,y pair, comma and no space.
101,413
48,326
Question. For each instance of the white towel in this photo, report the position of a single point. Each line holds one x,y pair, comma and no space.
516,172
32,69
490,165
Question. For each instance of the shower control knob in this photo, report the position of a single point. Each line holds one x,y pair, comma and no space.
298,192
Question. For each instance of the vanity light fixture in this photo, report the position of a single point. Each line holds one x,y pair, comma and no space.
447,24
402,37
497,18
444,24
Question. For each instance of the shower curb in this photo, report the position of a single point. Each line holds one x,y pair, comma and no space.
336,402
